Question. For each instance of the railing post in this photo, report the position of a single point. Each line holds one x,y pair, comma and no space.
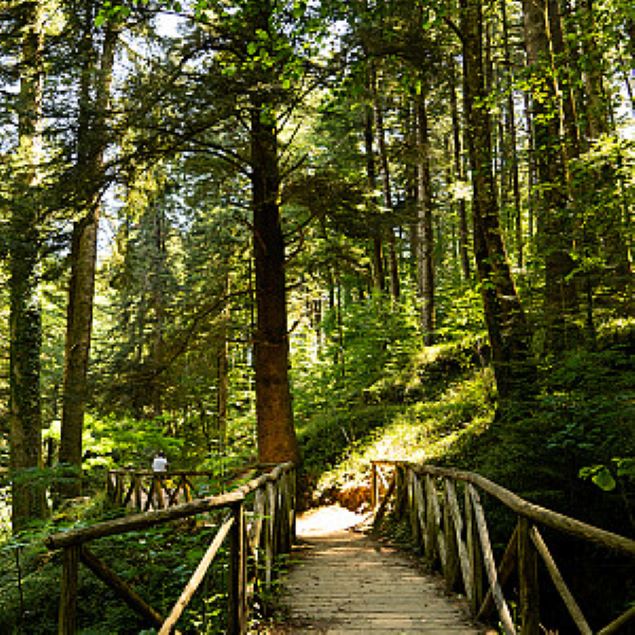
138,504
284,530
474,554
451,571
237,613
374,495
528,581
401,491
292,475
413,507
269,532
431,551
67,624
118,488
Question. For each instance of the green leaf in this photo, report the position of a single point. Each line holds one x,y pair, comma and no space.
604,480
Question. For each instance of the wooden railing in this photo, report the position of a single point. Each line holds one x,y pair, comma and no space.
260,525
144,490
451,532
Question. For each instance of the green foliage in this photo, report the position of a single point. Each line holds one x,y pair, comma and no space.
157,563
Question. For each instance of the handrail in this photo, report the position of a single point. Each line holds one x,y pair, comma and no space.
269,534
455,538
144,489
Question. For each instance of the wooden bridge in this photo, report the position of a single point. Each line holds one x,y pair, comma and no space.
342,581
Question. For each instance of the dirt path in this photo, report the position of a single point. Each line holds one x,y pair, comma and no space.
342,581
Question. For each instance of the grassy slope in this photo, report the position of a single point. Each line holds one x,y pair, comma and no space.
438,405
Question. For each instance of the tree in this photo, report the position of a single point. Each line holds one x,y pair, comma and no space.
425,259
276,434
94,92
25,333
507,327
555,224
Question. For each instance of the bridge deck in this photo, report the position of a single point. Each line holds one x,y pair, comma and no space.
342,581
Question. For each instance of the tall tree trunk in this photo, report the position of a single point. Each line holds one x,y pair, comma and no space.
276,434
425,225
275,429
510,126
91,144
508,332
379,281
395,287
158,305
459,175
223,371
611,220
25,332
553,212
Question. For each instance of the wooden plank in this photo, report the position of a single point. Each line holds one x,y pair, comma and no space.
435,547
558,580
618,623
137,493
120,587
270,538
384,503
129,493
67,624
505,569
413,508
150,496
451,569
528,581
373,487
158,480
475,555
464,560
490,565
237,591
197,577
420,502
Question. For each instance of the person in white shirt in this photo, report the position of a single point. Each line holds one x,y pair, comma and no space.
159,463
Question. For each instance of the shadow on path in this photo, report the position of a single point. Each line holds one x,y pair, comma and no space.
344,581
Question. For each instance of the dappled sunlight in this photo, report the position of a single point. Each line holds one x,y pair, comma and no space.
421,431
325,520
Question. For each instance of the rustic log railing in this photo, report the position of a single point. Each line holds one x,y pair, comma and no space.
144,490
453,537
260,524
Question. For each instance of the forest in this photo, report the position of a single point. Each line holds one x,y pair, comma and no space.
319,231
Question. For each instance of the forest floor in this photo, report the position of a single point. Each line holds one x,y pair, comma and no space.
342,580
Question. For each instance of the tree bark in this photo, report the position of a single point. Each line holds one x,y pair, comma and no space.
91,144
459,175
508,332
553,212
395,286
276,434
379,281
425,226
512,152
25,332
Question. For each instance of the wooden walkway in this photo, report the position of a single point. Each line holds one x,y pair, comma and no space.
343,581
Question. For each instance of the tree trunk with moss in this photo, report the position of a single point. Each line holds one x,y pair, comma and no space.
91,143
425,256
554,213
509,335
25,330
